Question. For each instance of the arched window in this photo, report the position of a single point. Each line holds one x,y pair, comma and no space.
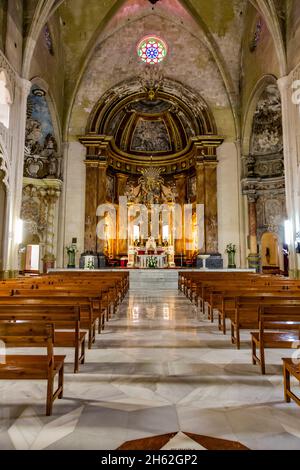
5,101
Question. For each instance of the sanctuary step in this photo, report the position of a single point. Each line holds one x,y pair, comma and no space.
153,279
156,279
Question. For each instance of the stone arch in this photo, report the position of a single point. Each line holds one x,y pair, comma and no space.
43,133
247,125
43,85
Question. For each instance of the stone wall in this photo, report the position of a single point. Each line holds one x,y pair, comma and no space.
14,33
48,65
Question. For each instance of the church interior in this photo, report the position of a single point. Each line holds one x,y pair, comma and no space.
149,224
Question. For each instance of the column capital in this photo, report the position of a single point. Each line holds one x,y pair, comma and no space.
122,175
284,83
180,176
25,86
252,197
65,146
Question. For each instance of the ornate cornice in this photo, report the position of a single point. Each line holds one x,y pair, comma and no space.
46,183
258,186
100,148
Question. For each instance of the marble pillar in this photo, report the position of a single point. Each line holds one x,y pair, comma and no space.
91,204
122,245
211,208
253,258
200,191
101,199
291,147
61,213
19,122
182,199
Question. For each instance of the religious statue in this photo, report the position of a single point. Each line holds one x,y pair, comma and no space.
150,244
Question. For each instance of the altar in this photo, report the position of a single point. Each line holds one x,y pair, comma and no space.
143,261
150,255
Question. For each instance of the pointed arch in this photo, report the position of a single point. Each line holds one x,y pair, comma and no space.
250,110
268,10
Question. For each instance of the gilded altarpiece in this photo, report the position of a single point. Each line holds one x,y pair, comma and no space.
170,134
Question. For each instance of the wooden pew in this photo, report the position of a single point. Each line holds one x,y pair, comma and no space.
247,311
284,323
63,317
251,298
90,306
290,368
32,367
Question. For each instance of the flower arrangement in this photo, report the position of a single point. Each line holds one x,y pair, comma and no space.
230,248
152,262
90,264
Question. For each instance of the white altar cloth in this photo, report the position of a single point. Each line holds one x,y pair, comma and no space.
161,260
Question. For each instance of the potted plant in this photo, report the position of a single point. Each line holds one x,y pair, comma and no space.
152,262
231,251
71,252
90,264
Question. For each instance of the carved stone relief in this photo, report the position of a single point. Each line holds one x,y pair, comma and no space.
151,188
110,188
4,169
264,166
41,151
267,124
192,188
34,210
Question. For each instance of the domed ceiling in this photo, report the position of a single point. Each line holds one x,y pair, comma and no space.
145,123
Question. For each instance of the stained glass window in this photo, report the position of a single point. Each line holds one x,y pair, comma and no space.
152,50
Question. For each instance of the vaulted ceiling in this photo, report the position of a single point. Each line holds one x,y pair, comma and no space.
215,28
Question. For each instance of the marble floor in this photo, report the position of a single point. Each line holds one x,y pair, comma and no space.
160,368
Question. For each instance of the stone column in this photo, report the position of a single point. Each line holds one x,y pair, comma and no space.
291,122
19,124
211,208
253,258
61,216
122,245
91,204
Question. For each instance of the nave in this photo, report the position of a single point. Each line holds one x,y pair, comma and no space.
158,367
